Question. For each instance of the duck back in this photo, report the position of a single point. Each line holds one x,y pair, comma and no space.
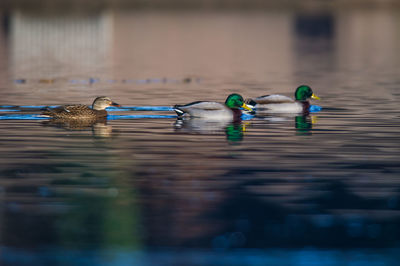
75,112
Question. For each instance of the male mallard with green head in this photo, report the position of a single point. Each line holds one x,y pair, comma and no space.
80,111
214,110
276,103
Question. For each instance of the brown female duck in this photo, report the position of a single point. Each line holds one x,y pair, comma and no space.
80,111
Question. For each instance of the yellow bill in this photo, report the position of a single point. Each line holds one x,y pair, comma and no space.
246,107
315,97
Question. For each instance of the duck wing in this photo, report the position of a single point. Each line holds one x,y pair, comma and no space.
70,111
75,109
273,99
276,104
210,106
199,106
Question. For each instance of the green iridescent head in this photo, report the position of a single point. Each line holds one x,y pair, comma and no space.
304,92
235,101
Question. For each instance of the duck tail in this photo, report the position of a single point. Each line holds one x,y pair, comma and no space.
178,111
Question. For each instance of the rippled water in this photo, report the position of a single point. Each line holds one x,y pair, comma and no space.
143,188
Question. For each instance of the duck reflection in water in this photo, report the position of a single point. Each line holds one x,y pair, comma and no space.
304,124
98,126
234,131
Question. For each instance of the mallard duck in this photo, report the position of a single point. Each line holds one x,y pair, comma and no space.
214,110
276,103
80,111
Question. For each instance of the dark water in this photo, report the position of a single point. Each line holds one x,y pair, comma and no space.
145,189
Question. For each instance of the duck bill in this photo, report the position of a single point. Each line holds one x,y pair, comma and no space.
246,107
315,97
115,104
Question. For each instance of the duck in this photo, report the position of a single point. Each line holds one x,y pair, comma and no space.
276,103
214,110
82,112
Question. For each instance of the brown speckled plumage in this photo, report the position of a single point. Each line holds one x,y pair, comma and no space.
74,111
80,111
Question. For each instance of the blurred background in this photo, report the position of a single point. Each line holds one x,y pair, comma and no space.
315,189
222,41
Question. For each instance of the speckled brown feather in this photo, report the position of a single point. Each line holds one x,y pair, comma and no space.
79,111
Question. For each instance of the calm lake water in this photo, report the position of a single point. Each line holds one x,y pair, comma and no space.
144,189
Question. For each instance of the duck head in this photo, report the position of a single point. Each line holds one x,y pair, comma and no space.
304,92
102,102
235,101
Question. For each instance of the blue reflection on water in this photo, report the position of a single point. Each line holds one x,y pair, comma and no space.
9,110
22,117
111,108
141,108
6,108
296,257
109,117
